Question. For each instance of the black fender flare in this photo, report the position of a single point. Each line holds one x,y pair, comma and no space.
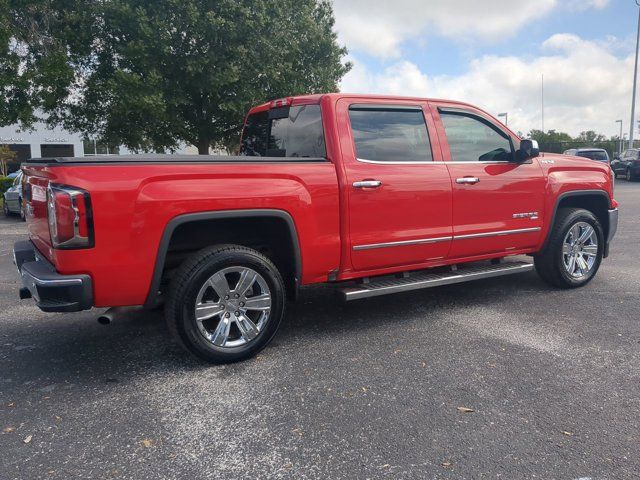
163,247
573,193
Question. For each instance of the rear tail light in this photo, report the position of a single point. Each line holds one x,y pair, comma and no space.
70,217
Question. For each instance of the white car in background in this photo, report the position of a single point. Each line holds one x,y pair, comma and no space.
13,198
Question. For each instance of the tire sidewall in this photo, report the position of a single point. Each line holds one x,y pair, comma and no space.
569,222
23,217
187,325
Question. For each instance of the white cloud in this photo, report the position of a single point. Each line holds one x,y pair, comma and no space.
586,4
587,87
379,27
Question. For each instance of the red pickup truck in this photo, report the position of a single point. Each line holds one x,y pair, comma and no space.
371,194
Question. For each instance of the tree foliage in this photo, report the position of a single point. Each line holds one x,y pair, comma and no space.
6,156
153,74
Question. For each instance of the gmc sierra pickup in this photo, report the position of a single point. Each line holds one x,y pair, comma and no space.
372,194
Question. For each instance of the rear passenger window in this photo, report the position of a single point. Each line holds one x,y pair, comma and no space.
388,134
472,140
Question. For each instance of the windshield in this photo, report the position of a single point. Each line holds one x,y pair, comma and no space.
284,132
600,155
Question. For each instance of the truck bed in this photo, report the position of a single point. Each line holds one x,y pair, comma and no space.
161,158
134,197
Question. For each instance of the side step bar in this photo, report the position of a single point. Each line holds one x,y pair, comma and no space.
421,280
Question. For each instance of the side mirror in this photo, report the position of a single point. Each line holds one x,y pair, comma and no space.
528,149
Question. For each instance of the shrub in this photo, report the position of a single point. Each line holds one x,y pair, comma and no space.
5,184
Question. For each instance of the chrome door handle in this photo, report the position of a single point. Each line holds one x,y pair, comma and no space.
467,180
367,184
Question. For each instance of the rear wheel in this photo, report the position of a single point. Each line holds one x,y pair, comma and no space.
225,303
574,251
5,208
23,217
629,175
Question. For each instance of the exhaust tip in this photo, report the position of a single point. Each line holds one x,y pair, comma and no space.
104,320
24,293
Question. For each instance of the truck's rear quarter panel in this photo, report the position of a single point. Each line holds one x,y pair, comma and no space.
132,204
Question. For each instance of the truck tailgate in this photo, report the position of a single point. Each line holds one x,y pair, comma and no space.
35,197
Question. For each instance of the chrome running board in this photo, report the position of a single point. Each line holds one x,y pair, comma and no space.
427,279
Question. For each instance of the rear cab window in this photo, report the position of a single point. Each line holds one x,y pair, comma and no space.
295,131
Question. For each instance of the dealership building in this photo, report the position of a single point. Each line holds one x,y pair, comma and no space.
41,141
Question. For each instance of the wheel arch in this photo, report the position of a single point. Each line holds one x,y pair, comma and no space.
191,220
595,201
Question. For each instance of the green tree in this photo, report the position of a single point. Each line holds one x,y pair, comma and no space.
550,136
6,156
591,136
153,74
552,140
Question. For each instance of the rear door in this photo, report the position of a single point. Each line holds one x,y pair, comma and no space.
498,204
398,190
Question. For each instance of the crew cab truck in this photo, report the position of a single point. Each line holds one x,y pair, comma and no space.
372,194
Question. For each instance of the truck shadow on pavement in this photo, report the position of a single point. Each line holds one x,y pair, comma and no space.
74,348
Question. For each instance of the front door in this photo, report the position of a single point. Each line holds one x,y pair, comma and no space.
498,203
398,192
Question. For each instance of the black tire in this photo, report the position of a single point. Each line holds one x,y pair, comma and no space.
23,217
550,262
629,176
5,208
186,285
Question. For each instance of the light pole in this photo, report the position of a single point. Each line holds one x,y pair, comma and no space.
506,118
620,138
635,83
542,99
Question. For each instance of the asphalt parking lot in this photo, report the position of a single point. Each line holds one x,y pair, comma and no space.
372,389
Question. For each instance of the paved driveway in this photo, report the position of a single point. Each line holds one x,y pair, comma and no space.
370,389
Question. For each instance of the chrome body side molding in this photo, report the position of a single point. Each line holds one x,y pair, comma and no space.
402,244
497,234
421,241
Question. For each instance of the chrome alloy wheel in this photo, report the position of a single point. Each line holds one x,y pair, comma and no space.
580,249
233,306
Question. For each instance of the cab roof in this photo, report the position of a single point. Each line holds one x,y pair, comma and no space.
315,99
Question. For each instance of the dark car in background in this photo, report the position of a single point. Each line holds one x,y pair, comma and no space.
627,164
598,154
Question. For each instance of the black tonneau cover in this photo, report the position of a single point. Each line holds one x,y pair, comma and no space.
147,158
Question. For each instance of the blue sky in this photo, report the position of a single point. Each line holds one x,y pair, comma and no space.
440,55
493,52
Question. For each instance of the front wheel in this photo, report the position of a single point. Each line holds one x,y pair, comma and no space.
574,251
225,303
